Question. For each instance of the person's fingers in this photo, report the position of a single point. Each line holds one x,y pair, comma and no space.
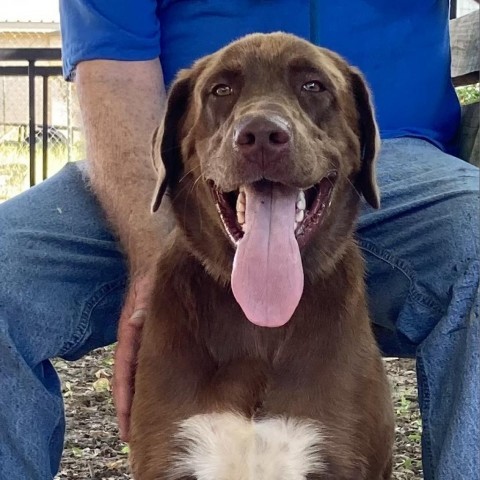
130,326
142,288
129,335
138,317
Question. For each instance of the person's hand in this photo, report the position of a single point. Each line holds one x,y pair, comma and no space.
129,335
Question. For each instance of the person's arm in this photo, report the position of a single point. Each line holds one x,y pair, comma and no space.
121,104
108,48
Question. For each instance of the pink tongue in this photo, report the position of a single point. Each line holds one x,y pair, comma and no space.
267,276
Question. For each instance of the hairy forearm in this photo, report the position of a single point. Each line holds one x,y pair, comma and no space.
121,104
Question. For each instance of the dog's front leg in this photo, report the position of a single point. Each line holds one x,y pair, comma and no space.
171,377
345,396
180,425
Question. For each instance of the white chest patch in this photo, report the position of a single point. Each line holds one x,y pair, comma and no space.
227,446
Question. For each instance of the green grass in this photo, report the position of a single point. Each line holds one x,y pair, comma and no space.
469,94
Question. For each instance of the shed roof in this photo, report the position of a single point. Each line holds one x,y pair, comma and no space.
29,14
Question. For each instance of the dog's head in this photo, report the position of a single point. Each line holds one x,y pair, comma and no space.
266,147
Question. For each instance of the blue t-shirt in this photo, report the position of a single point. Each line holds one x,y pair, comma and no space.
401,46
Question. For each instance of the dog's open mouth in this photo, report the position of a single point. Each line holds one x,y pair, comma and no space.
269,223
310,208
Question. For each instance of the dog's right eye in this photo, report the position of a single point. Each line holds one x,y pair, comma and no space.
222,90
313,86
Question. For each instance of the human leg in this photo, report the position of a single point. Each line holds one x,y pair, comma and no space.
422,258
62,278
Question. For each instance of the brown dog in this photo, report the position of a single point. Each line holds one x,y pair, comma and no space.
266,146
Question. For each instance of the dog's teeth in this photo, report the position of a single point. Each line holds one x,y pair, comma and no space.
241,217
299,216
241,202
301,204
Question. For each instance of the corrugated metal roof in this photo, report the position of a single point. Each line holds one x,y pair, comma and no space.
29,11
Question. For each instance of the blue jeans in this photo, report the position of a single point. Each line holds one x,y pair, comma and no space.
62,278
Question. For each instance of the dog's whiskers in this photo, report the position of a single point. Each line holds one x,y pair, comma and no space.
189,172
354,188
194,186
184,187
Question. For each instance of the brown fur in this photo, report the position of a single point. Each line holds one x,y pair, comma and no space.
199,354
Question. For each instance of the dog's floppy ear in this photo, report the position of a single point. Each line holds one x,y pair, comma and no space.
166,148
366,181
159,168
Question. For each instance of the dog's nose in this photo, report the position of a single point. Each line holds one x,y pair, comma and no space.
262,138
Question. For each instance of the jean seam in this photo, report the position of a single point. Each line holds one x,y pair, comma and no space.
424,402
403,267
72,345
59,418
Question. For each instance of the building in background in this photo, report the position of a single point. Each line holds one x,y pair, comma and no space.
34,24
29,23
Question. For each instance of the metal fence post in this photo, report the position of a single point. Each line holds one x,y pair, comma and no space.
31,118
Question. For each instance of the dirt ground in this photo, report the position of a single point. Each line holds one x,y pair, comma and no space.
93,450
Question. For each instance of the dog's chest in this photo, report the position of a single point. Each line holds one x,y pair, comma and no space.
228,335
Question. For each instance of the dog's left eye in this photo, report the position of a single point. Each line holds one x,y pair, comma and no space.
222,90
313,86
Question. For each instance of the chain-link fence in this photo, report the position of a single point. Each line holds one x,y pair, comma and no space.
61,115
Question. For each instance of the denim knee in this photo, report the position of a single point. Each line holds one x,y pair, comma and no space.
63,274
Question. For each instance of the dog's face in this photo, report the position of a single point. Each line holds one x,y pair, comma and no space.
267,145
